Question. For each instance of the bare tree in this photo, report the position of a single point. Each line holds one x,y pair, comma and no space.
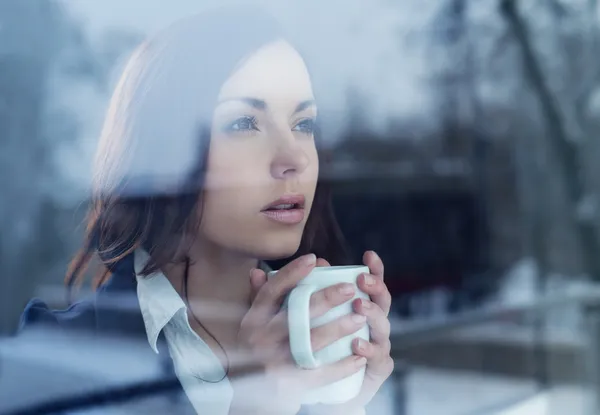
30,45
564,149
35,36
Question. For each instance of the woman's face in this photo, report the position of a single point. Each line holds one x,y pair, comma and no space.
263,164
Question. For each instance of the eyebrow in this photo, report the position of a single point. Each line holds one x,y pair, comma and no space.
261,105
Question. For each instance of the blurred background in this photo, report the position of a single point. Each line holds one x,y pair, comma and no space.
464,150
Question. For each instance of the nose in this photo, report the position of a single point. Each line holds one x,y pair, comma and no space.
290,160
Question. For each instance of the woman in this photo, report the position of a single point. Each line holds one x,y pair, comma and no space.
208,167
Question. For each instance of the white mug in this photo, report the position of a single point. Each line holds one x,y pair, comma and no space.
299,322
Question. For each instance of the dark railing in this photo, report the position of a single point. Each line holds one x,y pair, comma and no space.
409,334
104,397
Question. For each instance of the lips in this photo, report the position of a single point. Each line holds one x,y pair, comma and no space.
288,209
286,202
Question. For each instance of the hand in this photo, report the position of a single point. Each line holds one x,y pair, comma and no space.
380,365
263,335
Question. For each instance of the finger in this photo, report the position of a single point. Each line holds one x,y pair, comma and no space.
377,356
326,334
322,263
376,319
325,299
328,374
361,347
320,303
270,296
379,362
258,278
374,262
379,367
377,290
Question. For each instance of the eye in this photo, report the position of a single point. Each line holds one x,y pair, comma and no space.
246,123
306,126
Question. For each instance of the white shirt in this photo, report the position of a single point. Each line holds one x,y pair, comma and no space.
164,310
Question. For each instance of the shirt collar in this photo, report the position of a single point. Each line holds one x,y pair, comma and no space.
159,302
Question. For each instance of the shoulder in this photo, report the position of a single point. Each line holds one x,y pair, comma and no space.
79,315
113,307
84,314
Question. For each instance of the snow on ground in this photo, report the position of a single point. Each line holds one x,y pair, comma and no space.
520,285
557,401
434,392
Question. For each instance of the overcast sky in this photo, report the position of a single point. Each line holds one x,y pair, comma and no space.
373,45
365,42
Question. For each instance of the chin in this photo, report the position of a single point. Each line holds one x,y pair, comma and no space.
274,255
276,251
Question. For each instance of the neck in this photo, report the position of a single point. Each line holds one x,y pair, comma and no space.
216,277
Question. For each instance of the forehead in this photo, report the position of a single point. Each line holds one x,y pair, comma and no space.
274,72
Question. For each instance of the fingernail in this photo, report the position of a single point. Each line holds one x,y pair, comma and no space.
369,280
360,361
346,289
359,319
362,344
365,303
309,259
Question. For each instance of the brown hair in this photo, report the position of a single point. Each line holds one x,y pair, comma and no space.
138,203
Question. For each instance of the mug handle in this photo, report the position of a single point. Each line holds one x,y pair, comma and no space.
299,326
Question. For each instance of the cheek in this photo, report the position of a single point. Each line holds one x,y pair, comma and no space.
232,190
231,186
227,215
238,184
233,168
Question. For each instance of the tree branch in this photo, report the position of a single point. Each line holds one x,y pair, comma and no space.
563,148
591,78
